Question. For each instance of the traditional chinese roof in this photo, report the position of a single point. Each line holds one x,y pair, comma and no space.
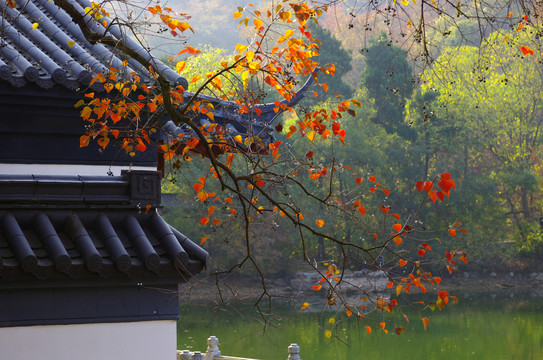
56,51
75,227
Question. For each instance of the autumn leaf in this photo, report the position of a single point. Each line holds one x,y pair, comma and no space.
84,140
305,305
328,334
204,221
425,322
203,240
398,240
397,227
319,223
452,232
317,287
368,329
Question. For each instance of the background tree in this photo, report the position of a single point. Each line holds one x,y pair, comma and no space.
389,79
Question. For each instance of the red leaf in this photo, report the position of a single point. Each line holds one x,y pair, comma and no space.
372,179
309,154
421,252
260,183
358,180
440,195
203,240
437,279
386,191
526,50
420,185
425,322
385,209
204,221
402,262
397,227
432,195
396,216
317,287
428,185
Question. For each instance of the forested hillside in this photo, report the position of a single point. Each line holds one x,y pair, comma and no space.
471,105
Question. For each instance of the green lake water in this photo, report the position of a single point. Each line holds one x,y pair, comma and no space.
500,325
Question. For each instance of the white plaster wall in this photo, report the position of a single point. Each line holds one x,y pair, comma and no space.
46,169
145,340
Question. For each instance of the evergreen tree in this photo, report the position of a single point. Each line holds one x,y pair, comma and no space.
389,80
331,52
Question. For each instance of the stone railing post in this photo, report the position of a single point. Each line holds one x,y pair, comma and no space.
212,348
294,352
197,356
184,355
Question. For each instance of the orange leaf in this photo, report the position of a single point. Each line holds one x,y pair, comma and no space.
386,192
349,313
103,141
397,227
202,195
198,186
305,305
397,240
204,221
210,210
368,329
317,287
203,240
319,222
399,289
228,200
425,322
437,279
84,140
358,180
382,324
372,179
452,232
421,252
402,262
216,221
396,216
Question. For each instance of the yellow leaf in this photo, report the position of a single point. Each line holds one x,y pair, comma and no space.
331,321
35,26
257,23
237,14
71,43
180,66
289,33
328,334
399,289
238,139
305,305
250,55
311,136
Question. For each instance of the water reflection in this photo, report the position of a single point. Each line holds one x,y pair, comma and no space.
498,325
